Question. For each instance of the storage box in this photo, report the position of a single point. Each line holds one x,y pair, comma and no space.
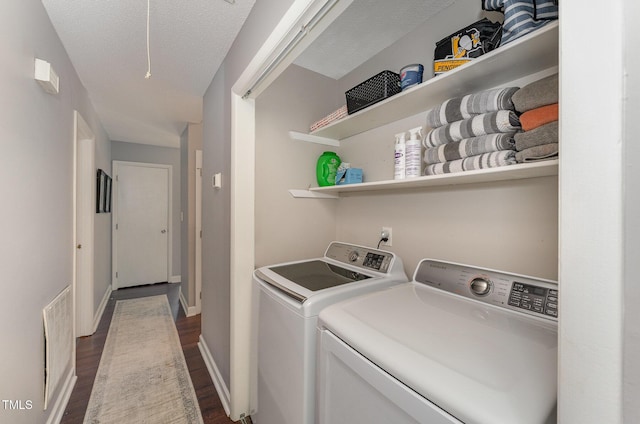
465,45
377,88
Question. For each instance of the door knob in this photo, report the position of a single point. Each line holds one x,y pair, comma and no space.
163,231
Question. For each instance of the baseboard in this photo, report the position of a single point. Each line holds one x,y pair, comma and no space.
63,399
176,279
100,311
188,310
218,381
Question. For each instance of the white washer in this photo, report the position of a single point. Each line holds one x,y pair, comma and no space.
290,296
458,344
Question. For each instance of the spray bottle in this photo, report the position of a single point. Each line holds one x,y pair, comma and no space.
413,152
399,155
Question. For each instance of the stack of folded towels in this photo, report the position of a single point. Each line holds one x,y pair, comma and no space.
538,103
472,132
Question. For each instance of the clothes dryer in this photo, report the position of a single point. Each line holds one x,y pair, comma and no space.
458,344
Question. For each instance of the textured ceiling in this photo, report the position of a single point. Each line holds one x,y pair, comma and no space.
106,41
363,30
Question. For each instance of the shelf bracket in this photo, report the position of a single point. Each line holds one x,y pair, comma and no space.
313,139
307,194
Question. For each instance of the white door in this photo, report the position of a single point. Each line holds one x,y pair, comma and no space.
141,223
85,174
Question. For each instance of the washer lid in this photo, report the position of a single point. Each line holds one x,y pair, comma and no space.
317,275
480,363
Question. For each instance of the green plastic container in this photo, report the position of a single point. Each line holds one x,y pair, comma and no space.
326,169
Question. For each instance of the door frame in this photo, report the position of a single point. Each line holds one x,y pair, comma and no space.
303,22
83,226
198,235
114,221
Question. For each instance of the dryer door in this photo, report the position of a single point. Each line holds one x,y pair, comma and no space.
353,390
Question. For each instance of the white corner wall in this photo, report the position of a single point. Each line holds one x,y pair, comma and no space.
592,213
36,166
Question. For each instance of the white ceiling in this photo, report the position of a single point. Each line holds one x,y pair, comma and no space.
106,41
364,29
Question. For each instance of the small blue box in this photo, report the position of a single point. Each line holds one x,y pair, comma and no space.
351,176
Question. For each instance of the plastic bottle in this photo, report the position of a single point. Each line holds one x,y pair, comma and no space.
413,153
326,169
399,157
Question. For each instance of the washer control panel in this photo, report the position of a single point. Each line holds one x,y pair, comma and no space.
529,295
362,257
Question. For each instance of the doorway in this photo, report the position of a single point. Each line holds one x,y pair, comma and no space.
84,195
141,226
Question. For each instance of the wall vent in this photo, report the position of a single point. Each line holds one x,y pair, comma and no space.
58,342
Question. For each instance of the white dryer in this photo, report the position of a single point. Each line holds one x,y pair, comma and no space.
458,344
289,298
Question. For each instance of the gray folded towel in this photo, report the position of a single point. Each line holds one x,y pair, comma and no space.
545,134
469,147
542,152
486,160
539,93
465,107
502,121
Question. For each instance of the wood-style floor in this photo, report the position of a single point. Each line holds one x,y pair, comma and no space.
89,351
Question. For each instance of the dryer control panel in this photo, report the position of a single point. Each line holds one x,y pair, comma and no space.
530,295
538,299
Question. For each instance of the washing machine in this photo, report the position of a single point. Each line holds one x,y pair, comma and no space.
289,298
458,344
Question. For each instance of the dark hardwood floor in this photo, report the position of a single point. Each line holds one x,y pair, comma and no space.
89,351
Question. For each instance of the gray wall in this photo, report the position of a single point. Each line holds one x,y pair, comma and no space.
190,141
474,224
217,156
36,166
133,152
631,150
288,228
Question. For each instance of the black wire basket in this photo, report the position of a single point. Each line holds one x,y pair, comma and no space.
377,88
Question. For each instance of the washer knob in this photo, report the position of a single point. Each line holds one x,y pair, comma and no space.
480,286
353,256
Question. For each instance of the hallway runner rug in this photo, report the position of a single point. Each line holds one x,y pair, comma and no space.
143,376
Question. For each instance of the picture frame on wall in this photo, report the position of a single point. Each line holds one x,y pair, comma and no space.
107,195
103,192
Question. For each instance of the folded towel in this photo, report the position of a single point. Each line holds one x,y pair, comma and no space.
535,118
486,160
465,107
469,147
522,16
539,93
544,151
502,121
545,134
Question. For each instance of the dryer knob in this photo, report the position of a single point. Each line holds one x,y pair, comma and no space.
480,286
353,256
